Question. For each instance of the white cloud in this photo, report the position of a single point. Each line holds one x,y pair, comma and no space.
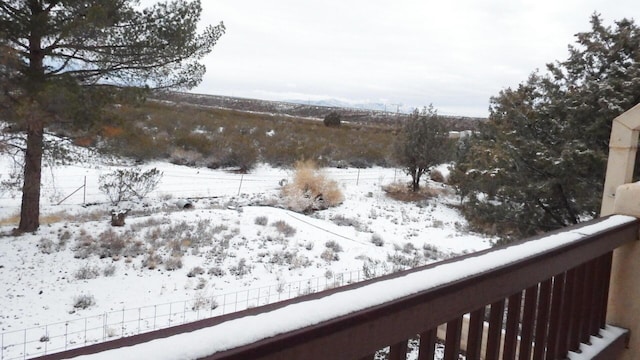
454,54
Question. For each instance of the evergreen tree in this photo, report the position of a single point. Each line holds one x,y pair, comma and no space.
422,143
538,163
64,60
333,119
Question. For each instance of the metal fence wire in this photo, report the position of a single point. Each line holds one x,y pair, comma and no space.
51,338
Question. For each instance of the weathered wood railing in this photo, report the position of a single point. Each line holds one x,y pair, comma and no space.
539,299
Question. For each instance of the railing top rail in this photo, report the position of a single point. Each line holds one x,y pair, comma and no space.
319,326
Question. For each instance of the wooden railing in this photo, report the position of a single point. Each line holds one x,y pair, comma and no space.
539,299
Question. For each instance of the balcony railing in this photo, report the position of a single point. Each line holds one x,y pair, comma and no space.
544,298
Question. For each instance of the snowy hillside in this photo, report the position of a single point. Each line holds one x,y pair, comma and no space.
79,280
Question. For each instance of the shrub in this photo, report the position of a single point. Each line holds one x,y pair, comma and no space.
83,301
46,246
151,260
332,119
111,244
125,184
87,272
109,270
329,255
437,176
342,220
310,190
173,263
377,240
284,228
261,220
216,271
195,271
85,245
333,246
240,269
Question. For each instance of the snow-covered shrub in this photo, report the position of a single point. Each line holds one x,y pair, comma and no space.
329,255
241,269
109,270
284,228
127,184
292,259
342,220
431,252
408,248
261,220
83,301
46,246
377,240
63,238
173,263
87,272
401,261
111,243
310,190
151,260
333,245
202,283
216,271
85,245
331,252
195,271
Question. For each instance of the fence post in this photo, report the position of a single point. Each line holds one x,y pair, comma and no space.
84,193
358,178
240,187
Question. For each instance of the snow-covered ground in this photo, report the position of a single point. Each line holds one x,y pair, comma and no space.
237,248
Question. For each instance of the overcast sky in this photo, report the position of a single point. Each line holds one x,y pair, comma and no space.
455,54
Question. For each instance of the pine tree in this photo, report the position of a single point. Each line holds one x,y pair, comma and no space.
538,163
65,60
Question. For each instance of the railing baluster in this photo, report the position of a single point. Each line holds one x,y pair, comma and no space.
606,268
511,331
474,337
398,351
452,341
495,330
542,320
564,328
427,345
596,299
528,322
589,289
554,316
576,310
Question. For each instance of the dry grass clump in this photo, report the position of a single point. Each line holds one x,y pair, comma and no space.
11,220
310,189
402,192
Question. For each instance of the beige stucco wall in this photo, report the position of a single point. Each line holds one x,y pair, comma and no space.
620,197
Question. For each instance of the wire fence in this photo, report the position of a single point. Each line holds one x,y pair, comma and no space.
62,188
60,336
79,190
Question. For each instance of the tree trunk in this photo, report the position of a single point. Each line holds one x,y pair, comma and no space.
30,211
415,180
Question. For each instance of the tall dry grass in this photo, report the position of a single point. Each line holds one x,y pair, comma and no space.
310,189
